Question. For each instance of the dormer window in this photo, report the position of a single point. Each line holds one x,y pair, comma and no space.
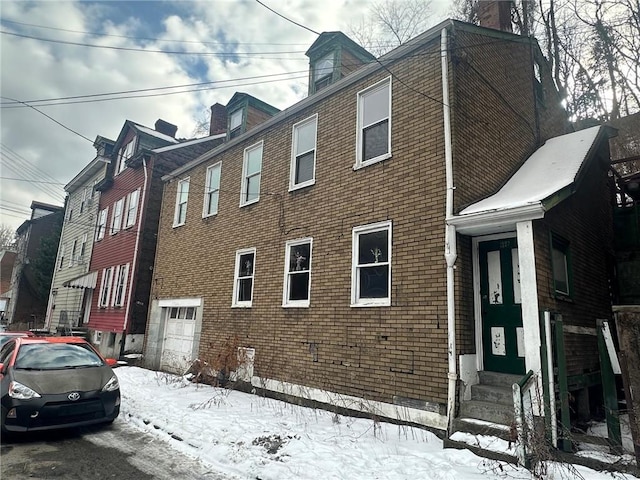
235,123
124,154
323,71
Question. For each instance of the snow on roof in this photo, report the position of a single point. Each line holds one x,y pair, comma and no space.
548,170
189,143
154,133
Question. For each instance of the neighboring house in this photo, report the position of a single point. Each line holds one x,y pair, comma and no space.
125,231
73,284
384,243
36,240
7,260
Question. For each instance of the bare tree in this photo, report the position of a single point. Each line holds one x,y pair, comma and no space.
391,23
7,236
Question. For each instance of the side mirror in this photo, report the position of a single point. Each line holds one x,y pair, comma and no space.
110,361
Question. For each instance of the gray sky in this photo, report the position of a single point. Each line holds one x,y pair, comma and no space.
235,43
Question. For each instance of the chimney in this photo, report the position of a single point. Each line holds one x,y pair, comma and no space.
218,122
166,128
495,14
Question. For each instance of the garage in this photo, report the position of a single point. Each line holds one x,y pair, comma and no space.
179,339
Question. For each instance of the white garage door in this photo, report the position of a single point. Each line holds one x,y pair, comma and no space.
177,348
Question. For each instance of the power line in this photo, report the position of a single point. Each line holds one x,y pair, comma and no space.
50,118
144,50
287,19
98,34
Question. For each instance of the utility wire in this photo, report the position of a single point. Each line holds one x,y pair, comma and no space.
166,52
287,19
50,118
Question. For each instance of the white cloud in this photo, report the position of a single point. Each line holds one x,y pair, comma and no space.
33,69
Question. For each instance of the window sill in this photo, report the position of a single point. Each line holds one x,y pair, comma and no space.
241,305
176,225
381,158
296,305
244,204
293,188
210,215
563,298
381,303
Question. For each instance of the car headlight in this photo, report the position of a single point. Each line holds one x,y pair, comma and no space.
21,392
111,385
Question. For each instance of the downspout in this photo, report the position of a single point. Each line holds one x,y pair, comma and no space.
450,247
135,254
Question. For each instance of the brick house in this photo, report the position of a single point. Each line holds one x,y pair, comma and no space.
363,252
73,283
125,231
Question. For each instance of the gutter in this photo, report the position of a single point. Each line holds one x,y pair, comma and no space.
450,246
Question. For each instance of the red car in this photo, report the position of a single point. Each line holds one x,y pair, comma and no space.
5,336
55,382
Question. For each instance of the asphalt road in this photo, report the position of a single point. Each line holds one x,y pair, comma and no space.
117,452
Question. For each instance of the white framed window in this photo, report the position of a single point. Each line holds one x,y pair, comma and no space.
374,124
303,153
102,224
251,172
235,120
182,197
132,208
83,199
116,218
323,71
83,248
124,154
61,262
243,277
120,285
105,287
70,217
72,258
371,265
297,273
212,190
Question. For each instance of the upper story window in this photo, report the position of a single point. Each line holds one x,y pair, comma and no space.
371,265
61,262
323,71
243,278
251,172
132,208
212,190
124,154
120,286
74,248
116,218
297,275
83,199
102,224
70,216
303,155
561,264
83,248
374,118
182,196
105,287
235,123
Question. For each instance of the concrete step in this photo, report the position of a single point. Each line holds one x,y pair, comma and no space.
492,393
500,379
480,427
487,411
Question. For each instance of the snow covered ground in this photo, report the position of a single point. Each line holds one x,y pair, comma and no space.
250,437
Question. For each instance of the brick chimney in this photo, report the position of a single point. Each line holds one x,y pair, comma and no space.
495,14
218,122
166,128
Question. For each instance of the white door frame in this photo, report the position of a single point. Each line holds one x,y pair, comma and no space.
477,301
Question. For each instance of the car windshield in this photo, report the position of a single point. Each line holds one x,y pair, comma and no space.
54,356
5,338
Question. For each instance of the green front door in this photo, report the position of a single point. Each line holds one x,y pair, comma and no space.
502,334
